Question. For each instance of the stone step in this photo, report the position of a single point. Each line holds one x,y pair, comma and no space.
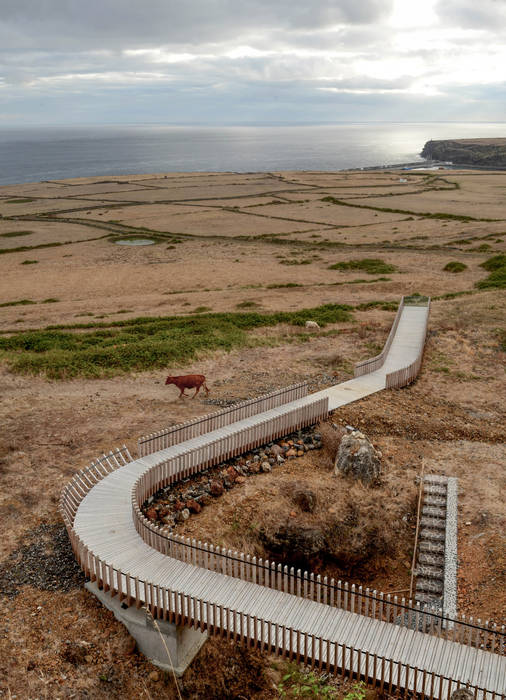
436,523
435,489
435,479
427,585
434,511
435,500
434,547
429,559
429,599
432,572
432,535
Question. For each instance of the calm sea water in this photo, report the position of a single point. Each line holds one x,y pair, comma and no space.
46,153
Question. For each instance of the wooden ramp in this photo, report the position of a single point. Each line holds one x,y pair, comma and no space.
282,612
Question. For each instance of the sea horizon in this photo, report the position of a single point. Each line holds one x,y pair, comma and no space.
32,153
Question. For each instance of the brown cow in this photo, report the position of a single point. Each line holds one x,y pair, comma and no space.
188,381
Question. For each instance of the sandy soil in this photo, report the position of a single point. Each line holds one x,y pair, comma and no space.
452,418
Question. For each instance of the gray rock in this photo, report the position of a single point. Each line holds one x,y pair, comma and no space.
185,514
356,457
462,694
266,467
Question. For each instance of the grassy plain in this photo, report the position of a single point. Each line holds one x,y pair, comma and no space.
88,333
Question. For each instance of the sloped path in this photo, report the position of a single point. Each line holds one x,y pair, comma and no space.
104,523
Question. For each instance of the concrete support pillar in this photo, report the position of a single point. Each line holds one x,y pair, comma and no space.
168,647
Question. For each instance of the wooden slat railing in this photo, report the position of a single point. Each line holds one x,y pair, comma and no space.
404,376
374,363
183,609
327,655
355,599
218,419
82,482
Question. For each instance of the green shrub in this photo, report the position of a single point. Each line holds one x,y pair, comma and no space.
494,263
455,266
497,277
115,347
29,262
372,266
247,305
201,309
302,683
21,302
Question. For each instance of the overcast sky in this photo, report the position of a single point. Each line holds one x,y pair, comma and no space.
250,61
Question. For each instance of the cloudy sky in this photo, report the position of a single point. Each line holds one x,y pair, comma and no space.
250,61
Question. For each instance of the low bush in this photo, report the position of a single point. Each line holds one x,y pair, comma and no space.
455,266
372,266
21,302
497,277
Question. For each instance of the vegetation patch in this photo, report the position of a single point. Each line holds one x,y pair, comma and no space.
20,200
372,266
247,305
388,210
497,277
29,262
416,299
14,234
20,302
383,305
306,261
455,266
24,248
286,285
106,349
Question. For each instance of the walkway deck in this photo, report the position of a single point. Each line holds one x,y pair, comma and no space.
104,523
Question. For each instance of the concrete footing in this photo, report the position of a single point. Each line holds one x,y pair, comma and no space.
182,643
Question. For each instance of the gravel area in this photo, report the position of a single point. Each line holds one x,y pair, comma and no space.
44,560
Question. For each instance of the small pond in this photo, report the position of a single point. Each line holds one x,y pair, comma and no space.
135,241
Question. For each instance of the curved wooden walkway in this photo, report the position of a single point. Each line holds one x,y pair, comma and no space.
110,539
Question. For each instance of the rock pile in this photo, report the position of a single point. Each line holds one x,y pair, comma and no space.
178,502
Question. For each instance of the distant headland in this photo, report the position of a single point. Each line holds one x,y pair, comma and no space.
479,152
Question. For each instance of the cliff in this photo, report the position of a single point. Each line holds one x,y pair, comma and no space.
479,152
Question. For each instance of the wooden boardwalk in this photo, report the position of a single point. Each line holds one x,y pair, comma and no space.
110,539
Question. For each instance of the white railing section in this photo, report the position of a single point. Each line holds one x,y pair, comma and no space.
355,599
259,632
82,482
374,363
212,421
404,376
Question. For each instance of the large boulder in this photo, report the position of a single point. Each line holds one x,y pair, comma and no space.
356,457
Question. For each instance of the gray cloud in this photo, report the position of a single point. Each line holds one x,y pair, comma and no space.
212,60
485,14
113,24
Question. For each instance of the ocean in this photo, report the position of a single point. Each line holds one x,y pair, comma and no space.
31,154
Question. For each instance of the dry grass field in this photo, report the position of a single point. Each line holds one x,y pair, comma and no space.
258,245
